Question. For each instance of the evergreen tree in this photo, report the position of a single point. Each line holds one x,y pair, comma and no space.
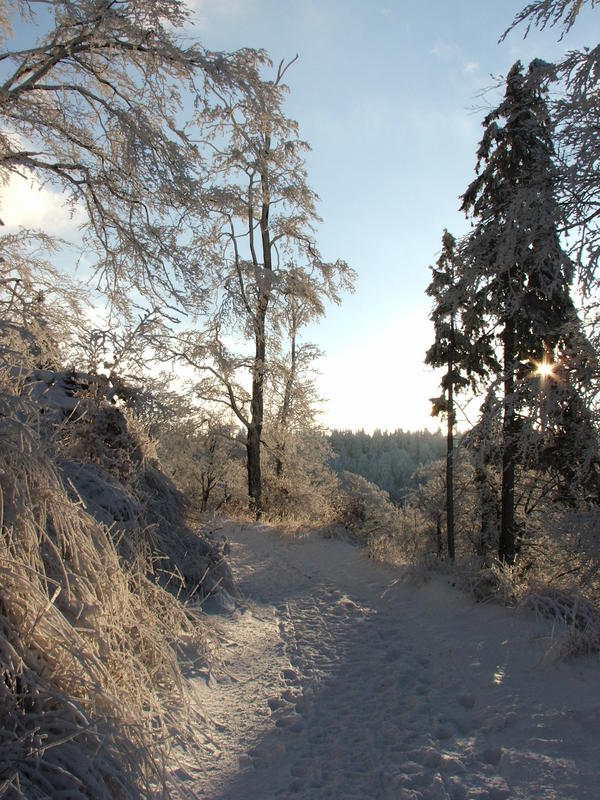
483,445
519,275
463,359
388,459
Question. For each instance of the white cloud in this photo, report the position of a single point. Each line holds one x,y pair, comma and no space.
471,67
445,50
24,202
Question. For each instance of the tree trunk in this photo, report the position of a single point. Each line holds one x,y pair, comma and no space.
287,398
205,491
254,431
506,544
254,472
489,520
450,467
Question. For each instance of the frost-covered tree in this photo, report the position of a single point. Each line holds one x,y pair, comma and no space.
91,103
550,12
464,359
38,305
483,445
293,396
388,459
519,275
566,445
256,234
575,111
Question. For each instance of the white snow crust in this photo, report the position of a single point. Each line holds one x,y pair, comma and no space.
344,679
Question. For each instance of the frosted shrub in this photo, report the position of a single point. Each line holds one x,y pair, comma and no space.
205,462
91,696
368,515
304,490
109,462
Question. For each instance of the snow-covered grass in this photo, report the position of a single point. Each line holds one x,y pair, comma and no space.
92,698
556,574
576,616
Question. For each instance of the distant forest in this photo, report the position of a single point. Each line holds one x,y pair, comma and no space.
388,460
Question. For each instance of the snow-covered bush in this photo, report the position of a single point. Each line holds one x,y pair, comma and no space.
109,462
206,461
304,489
393,534
91,690
94,555
558,573
366,513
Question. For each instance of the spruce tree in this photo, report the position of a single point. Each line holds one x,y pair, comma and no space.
519,275
464,360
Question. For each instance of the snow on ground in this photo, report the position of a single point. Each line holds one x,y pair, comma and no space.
341,679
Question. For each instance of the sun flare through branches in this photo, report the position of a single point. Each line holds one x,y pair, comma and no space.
544,369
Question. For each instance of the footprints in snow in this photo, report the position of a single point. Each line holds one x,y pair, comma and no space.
356,700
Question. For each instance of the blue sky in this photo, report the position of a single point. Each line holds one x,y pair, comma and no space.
389,96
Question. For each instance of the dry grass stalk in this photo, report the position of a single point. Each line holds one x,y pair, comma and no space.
92,699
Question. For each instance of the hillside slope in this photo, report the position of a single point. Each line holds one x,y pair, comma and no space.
96,558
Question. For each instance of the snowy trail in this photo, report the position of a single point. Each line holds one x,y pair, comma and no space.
341,681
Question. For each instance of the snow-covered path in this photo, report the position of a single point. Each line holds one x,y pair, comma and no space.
342,681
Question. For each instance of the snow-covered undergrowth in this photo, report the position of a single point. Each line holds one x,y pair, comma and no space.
91,693
576,611
556,574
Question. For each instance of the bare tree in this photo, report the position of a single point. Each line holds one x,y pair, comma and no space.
256,233
92,105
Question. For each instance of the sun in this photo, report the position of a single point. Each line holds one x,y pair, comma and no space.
544,369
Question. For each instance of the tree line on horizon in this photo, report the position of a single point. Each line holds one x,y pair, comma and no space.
389,459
